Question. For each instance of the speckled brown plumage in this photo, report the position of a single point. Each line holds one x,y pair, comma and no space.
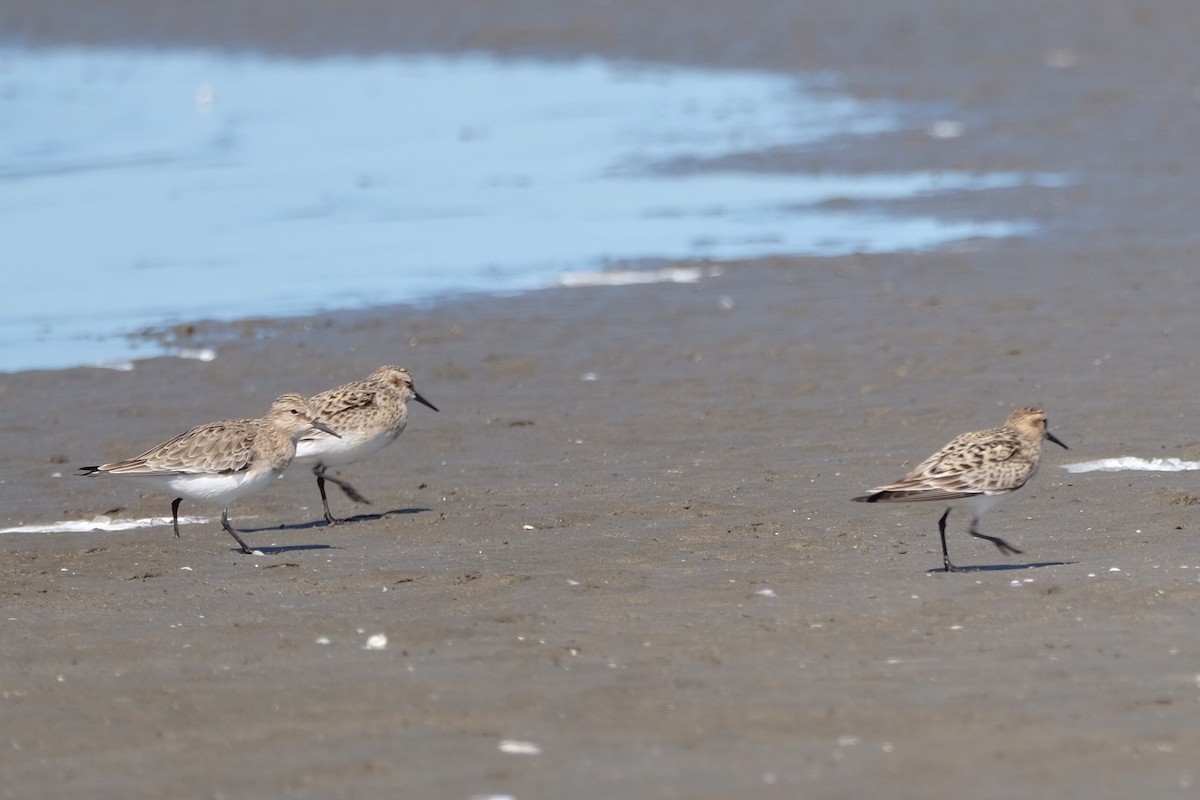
222,461
369,415
981,466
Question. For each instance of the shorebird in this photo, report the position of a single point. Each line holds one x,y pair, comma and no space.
222,461
980,467
368,415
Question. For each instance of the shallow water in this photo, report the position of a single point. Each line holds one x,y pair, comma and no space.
139,189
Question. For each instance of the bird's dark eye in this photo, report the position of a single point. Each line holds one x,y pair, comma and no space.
295,411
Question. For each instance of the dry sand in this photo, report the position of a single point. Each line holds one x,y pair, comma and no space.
657,576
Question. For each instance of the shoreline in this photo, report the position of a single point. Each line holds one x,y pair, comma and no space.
731,188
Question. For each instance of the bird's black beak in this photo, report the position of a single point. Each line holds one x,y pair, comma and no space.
422,400
1056,440
321,426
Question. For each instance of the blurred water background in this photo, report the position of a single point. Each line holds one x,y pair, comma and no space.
144,188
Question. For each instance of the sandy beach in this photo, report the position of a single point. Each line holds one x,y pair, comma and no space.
623,561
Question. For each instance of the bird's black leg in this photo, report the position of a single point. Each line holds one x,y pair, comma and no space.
329,518
1001,545
946,553
345,486
175,514
347,489
229,529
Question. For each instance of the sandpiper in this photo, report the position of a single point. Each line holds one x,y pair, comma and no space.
980,467
222,461
368,415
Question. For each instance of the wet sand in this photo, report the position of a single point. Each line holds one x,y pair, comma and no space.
656,576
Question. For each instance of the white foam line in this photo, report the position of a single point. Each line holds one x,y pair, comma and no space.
119,366
197,353
1133,463
629,277
187,353
100,523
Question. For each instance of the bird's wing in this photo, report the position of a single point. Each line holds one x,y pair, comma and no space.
971,464
218,447
345,398
341,407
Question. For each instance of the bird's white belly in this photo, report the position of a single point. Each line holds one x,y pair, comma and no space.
980,503
220,489
332,451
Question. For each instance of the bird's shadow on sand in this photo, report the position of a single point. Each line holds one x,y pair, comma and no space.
395,512
281,549
318,523
1005,567
321,523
